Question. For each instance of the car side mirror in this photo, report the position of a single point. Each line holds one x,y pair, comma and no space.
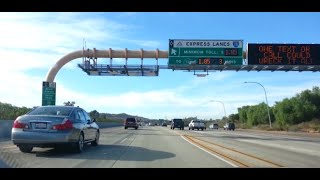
94,120
88,121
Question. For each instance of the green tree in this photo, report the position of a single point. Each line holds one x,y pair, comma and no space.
94,114
234,117
243,114
69,103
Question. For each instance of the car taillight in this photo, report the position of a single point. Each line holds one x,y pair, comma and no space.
65,125
19,125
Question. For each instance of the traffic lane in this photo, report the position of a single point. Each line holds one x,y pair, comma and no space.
118,152
157,139
290,153
111,143
308,137
294,143
286,133
270,136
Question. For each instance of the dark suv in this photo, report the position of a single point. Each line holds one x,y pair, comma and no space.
131,122
177,123
229,126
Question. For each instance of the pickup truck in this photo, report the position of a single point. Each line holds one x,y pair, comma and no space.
196,124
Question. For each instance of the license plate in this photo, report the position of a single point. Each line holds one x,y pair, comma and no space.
41,125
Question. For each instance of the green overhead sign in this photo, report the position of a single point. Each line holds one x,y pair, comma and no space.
48,93
205,52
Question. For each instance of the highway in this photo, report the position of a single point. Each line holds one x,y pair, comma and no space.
161,147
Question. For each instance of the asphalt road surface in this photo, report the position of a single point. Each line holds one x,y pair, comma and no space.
162,147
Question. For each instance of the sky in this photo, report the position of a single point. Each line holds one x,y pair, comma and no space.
31,43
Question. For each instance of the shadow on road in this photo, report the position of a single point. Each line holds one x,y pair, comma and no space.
107,152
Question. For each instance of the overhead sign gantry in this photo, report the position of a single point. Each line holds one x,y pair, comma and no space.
91,66
197,55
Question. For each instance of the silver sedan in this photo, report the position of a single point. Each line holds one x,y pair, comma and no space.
55,126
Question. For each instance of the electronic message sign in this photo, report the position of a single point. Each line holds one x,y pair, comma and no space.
283,54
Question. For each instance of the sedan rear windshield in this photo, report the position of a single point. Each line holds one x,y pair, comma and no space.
51,111
177,120
131,120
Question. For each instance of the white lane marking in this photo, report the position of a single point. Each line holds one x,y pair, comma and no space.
123,140
210,152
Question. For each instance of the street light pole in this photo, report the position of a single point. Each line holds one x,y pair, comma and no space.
266,100
224,109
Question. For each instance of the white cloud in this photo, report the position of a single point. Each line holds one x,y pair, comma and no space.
128,14
20,89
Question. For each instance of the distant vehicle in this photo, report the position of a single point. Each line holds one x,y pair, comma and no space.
197,124
164,124
229,126
131,122
214,126
177,123
55,126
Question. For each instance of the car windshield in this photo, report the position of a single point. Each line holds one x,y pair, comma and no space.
52,111
160,89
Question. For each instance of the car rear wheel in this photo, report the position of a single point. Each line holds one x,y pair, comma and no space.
25,148
96,141
80,144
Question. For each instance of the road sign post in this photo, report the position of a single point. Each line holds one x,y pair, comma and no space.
186,53
48,93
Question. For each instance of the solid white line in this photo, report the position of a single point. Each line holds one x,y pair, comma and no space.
210,152
123,140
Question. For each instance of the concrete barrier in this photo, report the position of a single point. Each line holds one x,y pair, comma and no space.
5,128
6,125
103,125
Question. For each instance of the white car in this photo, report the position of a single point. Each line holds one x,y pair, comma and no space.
197,124
214,126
